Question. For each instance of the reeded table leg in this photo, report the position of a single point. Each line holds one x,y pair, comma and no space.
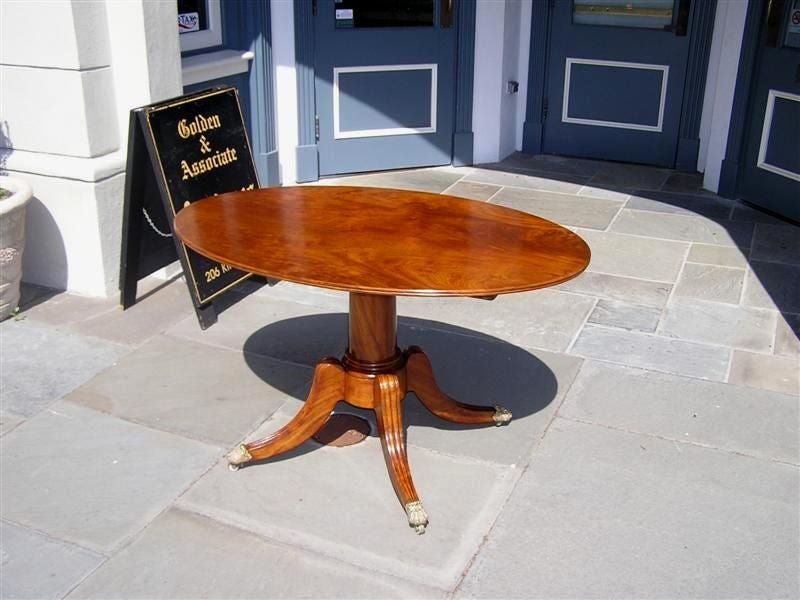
327,389
388,395
422,382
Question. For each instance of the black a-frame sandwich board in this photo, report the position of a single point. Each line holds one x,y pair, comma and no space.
180,151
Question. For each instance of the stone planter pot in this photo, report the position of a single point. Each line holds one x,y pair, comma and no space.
12,242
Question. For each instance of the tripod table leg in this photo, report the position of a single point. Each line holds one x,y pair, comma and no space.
423,383
327,389
388,395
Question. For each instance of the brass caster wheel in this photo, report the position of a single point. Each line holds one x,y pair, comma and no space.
237,457
417,517
501,416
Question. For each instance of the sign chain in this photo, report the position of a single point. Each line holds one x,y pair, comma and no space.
153,226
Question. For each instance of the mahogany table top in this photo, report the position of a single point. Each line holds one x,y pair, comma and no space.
382,241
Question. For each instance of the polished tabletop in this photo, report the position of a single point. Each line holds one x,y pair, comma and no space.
382,241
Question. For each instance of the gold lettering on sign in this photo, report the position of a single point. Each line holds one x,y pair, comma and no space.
198,167
199,124
215,272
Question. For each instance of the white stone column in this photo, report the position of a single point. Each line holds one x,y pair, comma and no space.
69,72
723,70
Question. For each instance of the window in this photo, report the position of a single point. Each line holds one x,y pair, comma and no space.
648,14
199,24
383,13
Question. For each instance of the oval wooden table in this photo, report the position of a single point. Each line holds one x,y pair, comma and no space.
377,244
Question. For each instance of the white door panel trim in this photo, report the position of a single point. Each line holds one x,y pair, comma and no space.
761,162
338,134
565,118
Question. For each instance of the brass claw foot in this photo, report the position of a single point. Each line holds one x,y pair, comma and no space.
501,415
417,517
237,457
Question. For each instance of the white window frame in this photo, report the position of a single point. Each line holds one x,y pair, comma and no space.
209,37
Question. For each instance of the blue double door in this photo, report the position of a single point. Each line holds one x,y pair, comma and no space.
770,165
384,83
615,79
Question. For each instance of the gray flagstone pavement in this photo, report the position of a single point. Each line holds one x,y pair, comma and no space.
653,454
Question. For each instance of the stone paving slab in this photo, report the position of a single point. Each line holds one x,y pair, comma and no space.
708,206
724,256
776,243
160,304
633,176
91,479
634,256
420,180
602,513
339,502
564,183
546,319
685,182
710,282
624,289
683,228
724,416
787,335
332,300
743,212
8,422
772,285
199,391
37,567
185,555
39,364
551,163
473,191
777,373
624,315
646,351
265,326
608,193
565,209
721,324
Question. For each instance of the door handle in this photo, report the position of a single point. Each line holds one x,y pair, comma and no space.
682,21
775,10
446,17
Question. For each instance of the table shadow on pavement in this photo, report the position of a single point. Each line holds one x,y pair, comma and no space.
469,366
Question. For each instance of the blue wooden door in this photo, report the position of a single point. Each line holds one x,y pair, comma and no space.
616,76
384,83
771,167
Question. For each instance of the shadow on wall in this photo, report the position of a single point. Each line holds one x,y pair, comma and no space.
44,260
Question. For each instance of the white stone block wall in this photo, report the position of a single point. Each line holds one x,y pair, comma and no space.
70,71
502,42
